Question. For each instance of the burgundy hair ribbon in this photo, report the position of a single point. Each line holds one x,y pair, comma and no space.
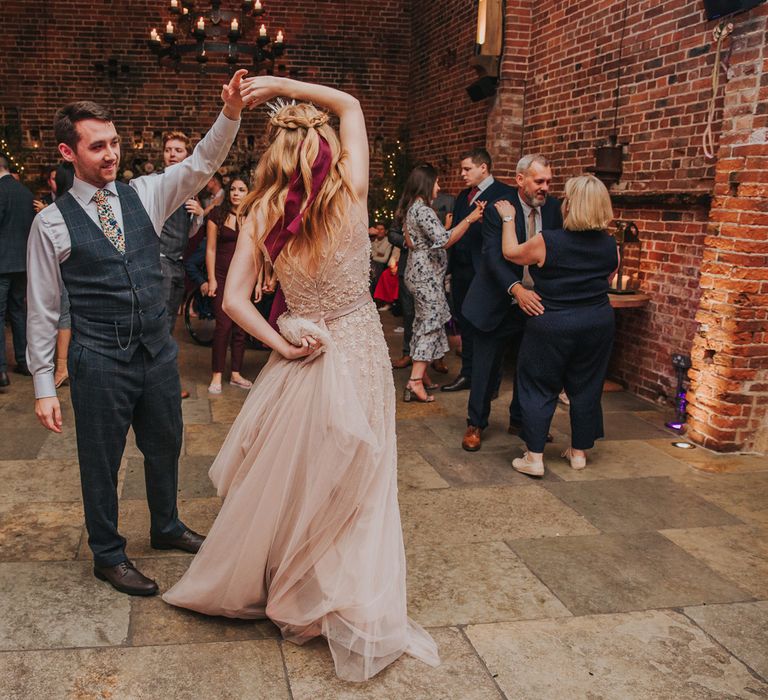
288,225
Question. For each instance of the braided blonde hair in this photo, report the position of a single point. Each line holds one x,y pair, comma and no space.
294,133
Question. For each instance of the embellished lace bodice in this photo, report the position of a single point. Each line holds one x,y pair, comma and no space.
342,275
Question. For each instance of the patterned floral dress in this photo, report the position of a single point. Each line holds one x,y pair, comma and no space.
424,277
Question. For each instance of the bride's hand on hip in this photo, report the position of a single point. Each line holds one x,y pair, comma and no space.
296,352
258,90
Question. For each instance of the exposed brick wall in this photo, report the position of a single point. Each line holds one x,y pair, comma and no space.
443,122
49,52
730,376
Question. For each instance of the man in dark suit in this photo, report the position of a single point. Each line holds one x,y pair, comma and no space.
16,214
466,255
501,296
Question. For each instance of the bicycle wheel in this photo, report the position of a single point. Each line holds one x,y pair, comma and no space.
199,325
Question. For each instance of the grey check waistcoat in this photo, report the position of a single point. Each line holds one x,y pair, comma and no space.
116,300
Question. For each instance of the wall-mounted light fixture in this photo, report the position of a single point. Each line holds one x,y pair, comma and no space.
488,46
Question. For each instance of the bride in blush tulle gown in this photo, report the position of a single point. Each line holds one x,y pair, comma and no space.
309,533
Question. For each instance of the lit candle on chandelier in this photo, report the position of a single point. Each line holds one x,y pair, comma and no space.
280,38
185,11
154,36
262,30
234,25
257,6
169,27
175,4
201,24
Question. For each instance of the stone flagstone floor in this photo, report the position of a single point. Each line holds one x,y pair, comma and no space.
644,576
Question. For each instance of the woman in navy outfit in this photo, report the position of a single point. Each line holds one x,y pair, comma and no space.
569,345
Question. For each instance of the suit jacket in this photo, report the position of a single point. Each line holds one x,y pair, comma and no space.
466,255
488,298
16,215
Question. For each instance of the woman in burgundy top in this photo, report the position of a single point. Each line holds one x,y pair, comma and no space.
223,229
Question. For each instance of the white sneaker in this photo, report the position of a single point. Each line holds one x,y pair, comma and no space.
525,465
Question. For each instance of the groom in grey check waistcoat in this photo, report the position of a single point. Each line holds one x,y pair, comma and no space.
101,242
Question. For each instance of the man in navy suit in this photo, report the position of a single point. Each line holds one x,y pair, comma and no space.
466,255
501,295
16,214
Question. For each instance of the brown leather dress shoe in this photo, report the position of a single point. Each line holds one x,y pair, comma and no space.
126,578
440,366
472,440
187,541
516,429
402,363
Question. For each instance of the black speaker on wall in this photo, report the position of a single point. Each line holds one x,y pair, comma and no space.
482,88
721,8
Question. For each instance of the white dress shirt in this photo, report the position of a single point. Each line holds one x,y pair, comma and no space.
49,243
527,282
484,185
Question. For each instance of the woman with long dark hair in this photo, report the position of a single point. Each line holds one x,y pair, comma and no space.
223,229
425,272
309,533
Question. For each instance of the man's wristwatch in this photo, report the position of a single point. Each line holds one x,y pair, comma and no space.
507,219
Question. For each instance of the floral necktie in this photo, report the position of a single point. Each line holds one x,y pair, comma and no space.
108,221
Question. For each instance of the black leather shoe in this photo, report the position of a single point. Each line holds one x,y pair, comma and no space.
22,368
4,379
187,541
515,429
126,578
459,384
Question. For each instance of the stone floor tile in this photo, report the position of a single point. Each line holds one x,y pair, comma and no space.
41,531
742,628
613,401
738,552
745,495
29,481
197,513
634,505
451,430
27,440
472,583
153,621
615,459
196,411
226,670
60,445
707,461
464,516
619,573
412,434
618,425
47,605
460,674
225,409
656,654
193,479
484,468
204,440
414,472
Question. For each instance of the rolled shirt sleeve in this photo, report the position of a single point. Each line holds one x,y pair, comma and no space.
43,303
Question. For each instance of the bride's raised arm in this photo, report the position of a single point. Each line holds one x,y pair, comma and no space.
352,131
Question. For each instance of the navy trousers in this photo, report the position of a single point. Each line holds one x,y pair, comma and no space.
109,397
13,288
461,279
488,354
565,349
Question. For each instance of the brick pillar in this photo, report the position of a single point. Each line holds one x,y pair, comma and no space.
504,137
729,380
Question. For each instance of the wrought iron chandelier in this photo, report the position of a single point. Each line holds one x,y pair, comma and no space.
216,32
